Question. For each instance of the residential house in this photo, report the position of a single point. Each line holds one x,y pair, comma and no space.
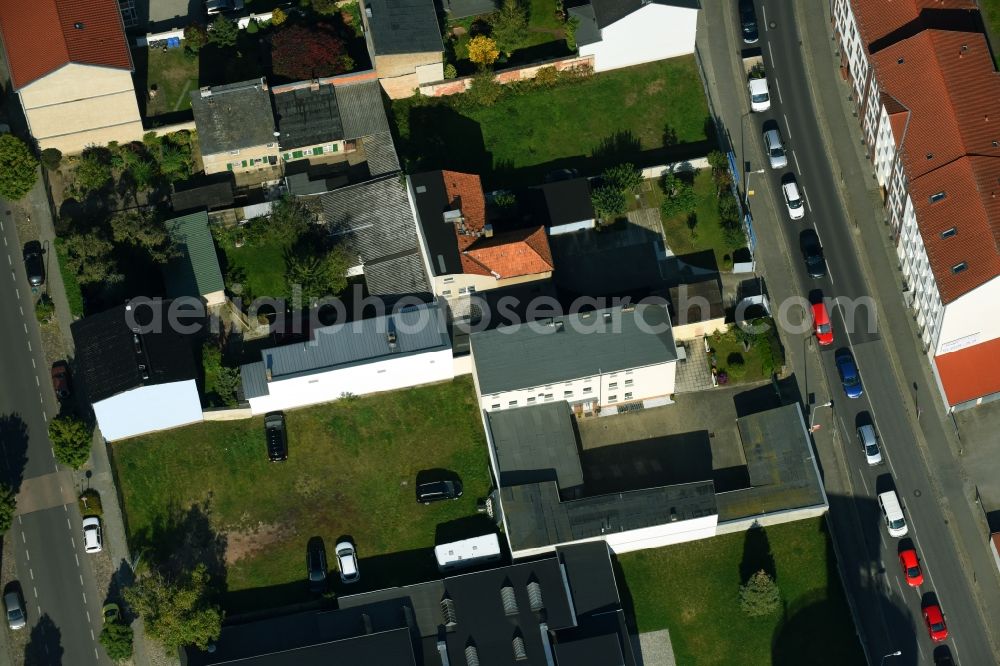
376,222
602,359
622,33
926,87
405,348
320,120
404,42
70,65
136,370
697,309
195,272
235,126
556,485
464,252
562,610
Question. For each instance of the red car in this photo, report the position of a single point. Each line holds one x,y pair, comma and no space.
911,568
821,324
935,623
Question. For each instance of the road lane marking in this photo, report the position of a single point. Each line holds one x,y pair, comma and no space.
88,620
91,631
19,523
21,309
45,417
25,324
10,263
27,555
77,558
796,158
31,572
763,10
29,345
804,196
73,541
770,53
96,656
777,86
23,539
33,363
37,383
788,128
68,524
35,589
84,597
863,482
81,579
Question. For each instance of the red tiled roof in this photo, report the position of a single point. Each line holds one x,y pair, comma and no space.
511,254
971,189
878,18
898,115
970,373
40,37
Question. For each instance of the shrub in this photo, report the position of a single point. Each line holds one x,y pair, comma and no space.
45,309
93,171
760,595
8,505
508,26
90,503
352,13
571,26
71,439
17,167
223,32
252,27
679,195
221,381
735,358
484,91
51,158
278,16
117,641
609,201
325,6
483,51
306,52
449,71
546,77
195,37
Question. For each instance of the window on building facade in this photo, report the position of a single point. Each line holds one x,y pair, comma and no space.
612,398
512,403
496,405
629,382
628,396
548,397
567,394
531,400
587,389
612,386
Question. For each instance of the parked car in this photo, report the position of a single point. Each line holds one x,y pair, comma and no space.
794,202
748,22
316,565
33,264
775,149
910,563
942,656
850,377
936,625
869,444
347,562
92,542
277,439
434,491
821,324
16,617
111,613
213,7
812,253
60,379
892,514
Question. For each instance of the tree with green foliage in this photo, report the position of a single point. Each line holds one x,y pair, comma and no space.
289,220
17,168
278,16
572,24
93,172
760,595
195,37
89,256
8,505
484,91
221,382
145,230
223,32
317,275
116,637
679,196
609,202
71,440
177,611
625,177
325,6
51,158
721,175
508,25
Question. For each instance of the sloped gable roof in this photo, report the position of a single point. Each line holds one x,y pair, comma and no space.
969,373
41,36
878,18
196,271
512,254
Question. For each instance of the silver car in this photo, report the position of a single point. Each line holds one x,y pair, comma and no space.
869,442
16,619
347,562
775,149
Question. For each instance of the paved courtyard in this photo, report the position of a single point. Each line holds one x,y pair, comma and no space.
979,446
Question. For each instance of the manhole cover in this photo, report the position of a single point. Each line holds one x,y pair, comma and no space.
772,25
916,493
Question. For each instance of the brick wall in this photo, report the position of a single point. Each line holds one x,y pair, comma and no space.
455,86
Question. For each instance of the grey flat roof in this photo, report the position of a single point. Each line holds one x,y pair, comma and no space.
233,116
536,517
418,329
536,444
535,354
692,297
404,26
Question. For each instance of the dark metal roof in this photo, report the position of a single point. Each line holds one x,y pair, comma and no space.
562,202
211,196
432,201
612,11
694,298
233,116
196,271
416,330
404,26
380,153
109,358
536,444
536,517
307,117
587,31
375,221
535,354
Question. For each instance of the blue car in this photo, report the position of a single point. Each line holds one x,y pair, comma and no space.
849,375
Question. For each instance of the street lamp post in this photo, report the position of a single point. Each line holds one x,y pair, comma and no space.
812,417
891,654
747,192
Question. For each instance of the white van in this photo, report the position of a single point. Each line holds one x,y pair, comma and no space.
892,512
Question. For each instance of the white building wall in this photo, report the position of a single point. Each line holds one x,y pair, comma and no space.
386,375
925,298
885,148
148,409
604,390
971,319
653,32
851,46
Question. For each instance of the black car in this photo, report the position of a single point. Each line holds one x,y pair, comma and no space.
316,565
748,22
33,264
434,491
277,441
812,252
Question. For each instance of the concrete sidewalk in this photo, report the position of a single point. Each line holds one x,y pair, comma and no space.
939,443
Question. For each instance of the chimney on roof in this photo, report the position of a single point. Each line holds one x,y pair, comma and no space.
488,230
78,25
206,92
454,216
314,85
267,368
263,83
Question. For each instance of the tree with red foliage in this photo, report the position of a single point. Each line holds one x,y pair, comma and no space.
302,52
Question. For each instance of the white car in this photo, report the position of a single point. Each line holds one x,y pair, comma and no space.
869,442
92,542
347,562
760,96
793,199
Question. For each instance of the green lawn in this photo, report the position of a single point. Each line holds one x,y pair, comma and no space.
260,268
991,14
759,363
175,75
708,233
627,116
692,590
350,471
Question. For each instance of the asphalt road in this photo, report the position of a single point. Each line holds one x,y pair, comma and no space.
63,604
888,611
